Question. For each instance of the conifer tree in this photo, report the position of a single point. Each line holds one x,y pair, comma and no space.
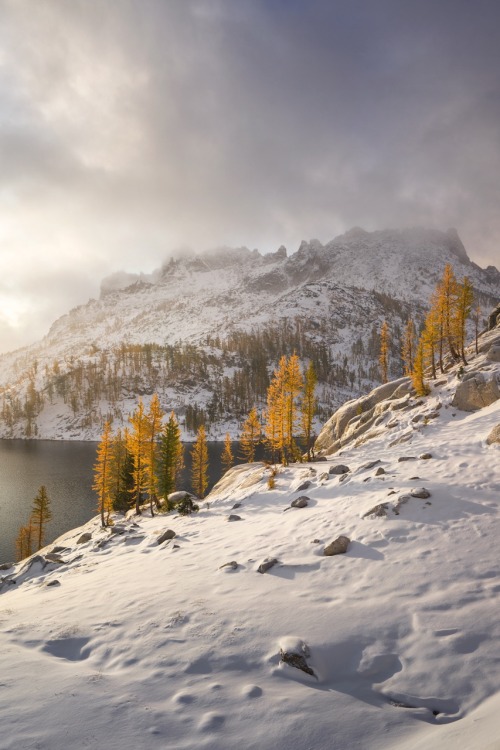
448,292
417,375
121,472
431,336
308,406
384,352
409,344
137,446
199,469
293,388
171,460
154,427
227,458
464,302
41,514
250,436
273,422
476,317
103,475
24,542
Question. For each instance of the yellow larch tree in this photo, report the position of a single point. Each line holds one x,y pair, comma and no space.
199,468
464,302
103,475
154,428
227,458
137,445
40,515
308,407
408,348
250,436
384,352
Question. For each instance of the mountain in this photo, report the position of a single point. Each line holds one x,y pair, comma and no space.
206,331
113,638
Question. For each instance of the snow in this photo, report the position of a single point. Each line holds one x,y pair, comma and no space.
141,645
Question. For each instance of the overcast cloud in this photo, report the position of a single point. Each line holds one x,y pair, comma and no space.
131,128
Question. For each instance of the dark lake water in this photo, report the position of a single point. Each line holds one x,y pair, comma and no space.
66,469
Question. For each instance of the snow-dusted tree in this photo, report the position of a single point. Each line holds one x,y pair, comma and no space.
103,475
199,468
250,436
171,460
384,352
41,514
308,406
448,294
463,309
122,467
227,458
293,389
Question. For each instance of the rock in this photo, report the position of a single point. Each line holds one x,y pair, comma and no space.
58,549
407,458
417,418
494,436
379,510
54,582
175,497
494,353
316,541
356,416
337,547
379,471
420,492
117,530
235,506
234,517
6,566
303,486
323,477
51,557
232,565
369,465
85,537
402,500
165,535
476,392
268,563
338,469
300,502
296,660
425,456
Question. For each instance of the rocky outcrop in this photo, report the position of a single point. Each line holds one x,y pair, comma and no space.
494,436
356,417
476,391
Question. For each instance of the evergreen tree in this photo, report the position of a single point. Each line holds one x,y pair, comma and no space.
41,514
102,475
293,386
171,460
308,406
137,446
227,458
384,352
121,472
448,294
199,469
431,337
476,318
250,436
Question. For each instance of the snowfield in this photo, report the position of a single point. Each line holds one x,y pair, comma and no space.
126,643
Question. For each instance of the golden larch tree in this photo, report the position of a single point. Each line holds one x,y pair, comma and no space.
154,429
137,446
103,475
308,407
250,436
199,468
227,458
41,514
409,345
384,352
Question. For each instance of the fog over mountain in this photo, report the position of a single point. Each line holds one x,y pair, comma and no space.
133,129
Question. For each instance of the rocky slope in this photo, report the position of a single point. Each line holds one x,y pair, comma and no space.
216,323
242,629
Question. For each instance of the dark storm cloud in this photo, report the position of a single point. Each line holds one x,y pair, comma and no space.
131,128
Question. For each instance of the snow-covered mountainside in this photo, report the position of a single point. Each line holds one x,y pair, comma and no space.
112,638
205,332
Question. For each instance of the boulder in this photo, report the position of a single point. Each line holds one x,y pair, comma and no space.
380,471
420,492
165,535
300,502
425,456
85,537
296,660
401,459
268,563
339,469
494,353
494,436
304,486
476,392
234,517
6,566
337,547
54,558
358,415
379,510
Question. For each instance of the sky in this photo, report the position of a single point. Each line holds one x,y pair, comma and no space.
134,129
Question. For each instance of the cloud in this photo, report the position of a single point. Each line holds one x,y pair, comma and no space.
134,128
